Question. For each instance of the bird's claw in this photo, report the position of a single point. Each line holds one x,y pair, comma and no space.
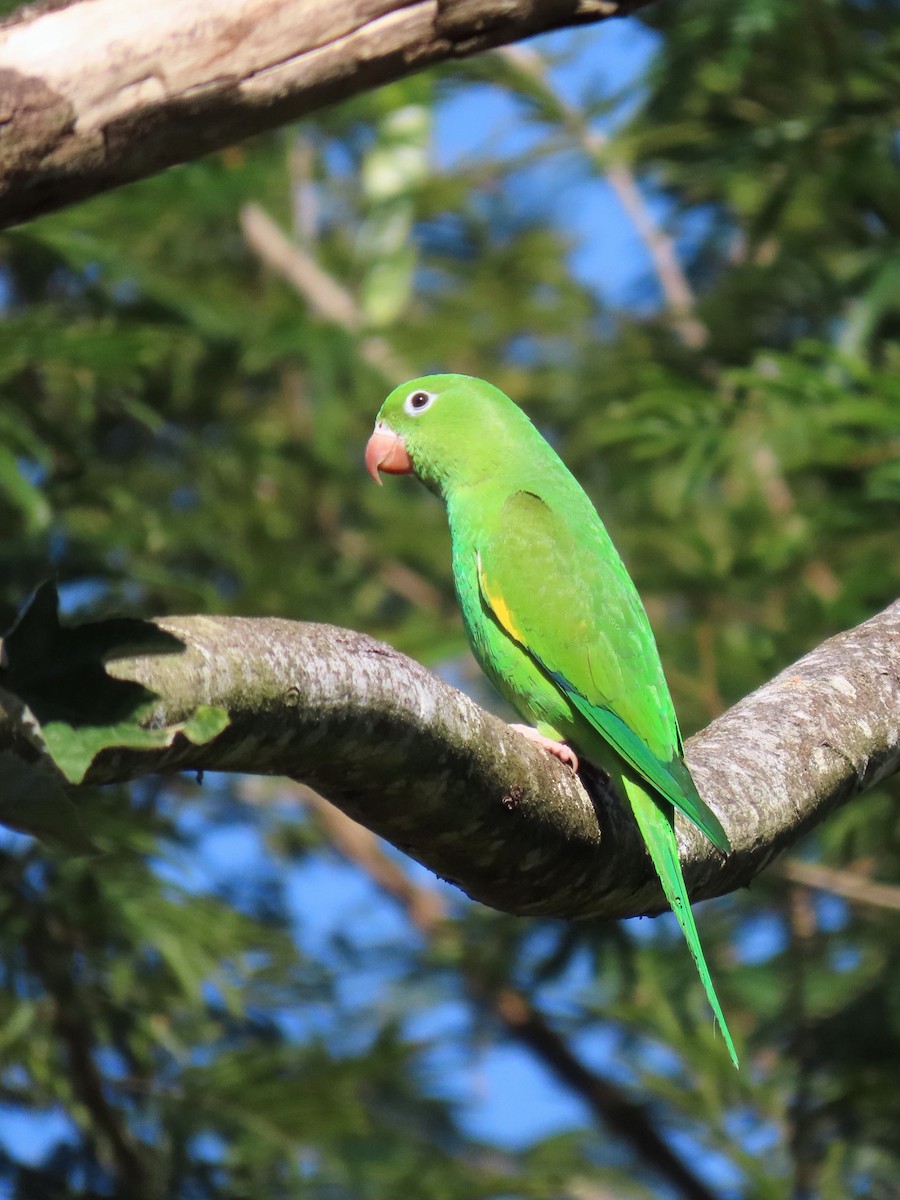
559,750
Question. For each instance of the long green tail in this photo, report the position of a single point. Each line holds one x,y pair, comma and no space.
658,830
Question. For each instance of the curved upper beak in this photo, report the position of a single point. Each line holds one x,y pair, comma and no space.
386,451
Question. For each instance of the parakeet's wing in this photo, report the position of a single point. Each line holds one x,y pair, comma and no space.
553,581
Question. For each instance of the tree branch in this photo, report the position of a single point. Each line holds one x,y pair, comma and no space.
419,763
99,93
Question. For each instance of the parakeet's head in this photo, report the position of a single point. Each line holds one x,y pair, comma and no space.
448,429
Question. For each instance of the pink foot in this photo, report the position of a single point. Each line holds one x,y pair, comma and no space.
558,749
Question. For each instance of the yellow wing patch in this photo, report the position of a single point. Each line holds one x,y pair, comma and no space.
498,605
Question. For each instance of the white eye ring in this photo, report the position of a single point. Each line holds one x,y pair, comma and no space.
418,401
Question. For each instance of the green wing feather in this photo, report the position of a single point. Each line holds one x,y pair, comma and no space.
558,587
658,833
671,779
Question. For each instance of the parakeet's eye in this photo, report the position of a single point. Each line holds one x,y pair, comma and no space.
417,402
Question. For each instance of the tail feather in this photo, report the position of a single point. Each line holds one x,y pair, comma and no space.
658,829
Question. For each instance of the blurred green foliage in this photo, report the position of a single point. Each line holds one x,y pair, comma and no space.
180,430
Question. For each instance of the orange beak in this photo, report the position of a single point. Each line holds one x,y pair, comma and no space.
386,451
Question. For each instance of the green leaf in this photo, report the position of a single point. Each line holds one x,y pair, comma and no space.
21,494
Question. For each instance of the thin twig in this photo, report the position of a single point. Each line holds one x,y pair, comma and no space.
330,300
850,885
321,291
673,281
326,297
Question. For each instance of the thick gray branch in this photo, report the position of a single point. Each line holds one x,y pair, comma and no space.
101,92
421,764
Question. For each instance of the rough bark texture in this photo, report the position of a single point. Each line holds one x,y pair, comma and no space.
101,92
421,764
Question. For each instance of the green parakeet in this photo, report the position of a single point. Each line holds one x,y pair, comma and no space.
552,615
